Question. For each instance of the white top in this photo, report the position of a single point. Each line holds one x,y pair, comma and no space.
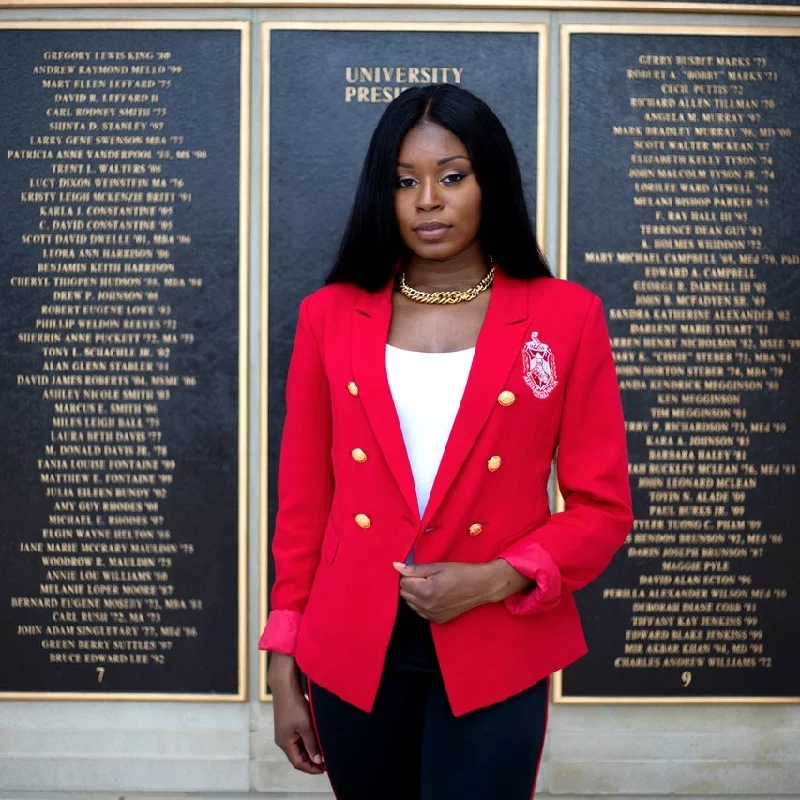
427,390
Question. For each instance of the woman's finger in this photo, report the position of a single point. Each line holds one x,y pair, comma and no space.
312,745
410,598
299,758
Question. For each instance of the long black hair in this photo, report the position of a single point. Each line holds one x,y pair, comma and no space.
371,244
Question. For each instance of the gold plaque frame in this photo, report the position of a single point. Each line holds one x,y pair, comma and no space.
243,333
542,31
494,5
566,32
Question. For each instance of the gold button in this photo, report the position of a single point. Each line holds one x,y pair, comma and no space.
506,398
475,529
359,455
494,463
353,389
363,521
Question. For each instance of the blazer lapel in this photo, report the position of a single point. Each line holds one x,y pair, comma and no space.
371,319
498,347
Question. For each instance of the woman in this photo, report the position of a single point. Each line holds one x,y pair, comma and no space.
422,584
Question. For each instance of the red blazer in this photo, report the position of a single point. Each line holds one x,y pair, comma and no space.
542,379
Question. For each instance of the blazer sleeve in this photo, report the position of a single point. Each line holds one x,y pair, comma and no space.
575,545
305,489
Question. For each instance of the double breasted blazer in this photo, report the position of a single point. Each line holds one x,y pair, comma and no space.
542,384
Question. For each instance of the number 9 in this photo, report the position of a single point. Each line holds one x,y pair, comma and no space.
686,678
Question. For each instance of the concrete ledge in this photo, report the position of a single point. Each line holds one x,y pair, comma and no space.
701,779
735,746
120,773
598,720
80,744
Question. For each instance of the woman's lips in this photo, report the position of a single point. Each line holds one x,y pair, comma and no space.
431,231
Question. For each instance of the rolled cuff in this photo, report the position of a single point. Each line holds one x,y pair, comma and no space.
280,632
534,562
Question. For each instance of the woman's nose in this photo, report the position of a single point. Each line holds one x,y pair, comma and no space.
428,198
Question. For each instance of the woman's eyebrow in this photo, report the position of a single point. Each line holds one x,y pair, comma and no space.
406,165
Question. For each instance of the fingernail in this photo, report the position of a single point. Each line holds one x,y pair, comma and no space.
398,564
317,759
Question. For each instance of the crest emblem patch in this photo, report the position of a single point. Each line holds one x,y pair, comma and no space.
539,366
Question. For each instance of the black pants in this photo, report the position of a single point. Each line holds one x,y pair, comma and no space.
411,747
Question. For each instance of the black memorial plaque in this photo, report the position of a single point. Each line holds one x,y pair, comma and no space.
120,267
327,90
683,189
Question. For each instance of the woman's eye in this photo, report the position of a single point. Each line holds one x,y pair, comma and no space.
453,177
405,183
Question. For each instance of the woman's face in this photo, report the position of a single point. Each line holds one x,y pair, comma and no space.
437,199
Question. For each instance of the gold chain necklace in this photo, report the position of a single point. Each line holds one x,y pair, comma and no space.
449,297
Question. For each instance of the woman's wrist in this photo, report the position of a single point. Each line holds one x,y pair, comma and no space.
284,674
502,580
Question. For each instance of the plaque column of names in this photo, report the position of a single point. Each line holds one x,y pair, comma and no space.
695,252
120,268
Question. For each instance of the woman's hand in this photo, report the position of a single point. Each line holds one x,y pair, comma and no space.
441,592
294,728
